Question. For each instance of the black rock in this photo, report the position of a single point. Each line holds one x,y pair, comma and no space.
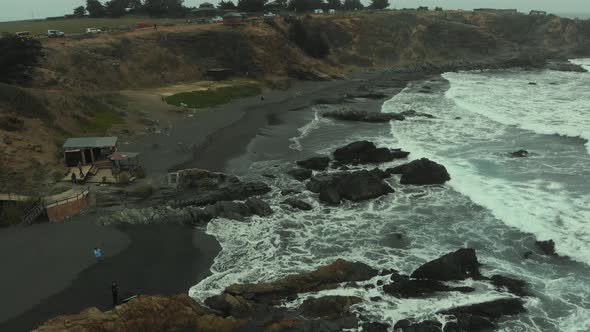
413,114
330,196
315,163
458,265
466,322
491,310
514,286
406,325
366,152
289,192
300,174
375,327
363,116
423,172
297,203
354,186
547,247
409,288
329,307
259,207
229,210
520,153
214,187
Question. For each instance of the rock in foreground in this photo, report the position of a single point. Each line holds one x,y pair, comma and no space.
145,313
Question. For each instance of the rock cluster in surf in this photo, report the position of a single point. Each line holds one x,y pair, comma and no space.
258,307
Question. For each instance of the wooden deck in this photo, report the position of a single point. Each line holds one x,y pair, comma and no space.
87,170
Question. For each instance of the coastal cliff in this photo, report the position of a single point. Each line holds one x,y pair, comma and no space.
76,89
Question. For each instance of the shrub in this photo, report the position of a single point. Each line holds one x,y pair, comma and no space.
10,123
18,54
311,40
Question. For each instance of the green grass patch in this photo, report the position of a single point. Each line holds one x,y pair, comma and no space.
213,97
100,122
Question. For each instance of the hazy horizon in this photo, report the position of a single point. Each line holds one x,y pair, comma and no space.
11,10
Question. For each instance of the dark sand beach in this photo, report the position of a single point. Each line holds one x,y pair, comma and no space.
60,275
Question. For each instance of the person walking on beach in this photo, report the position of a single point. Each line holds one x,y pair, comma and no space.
115,293
98,254
155,27
74,178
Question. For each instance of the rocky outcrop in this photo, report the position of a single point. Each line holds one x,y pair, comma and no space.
405,325
363,116
421,172
353,186
483,316
547,247
325,277
520,153
329,307
458,265
414,114
297,204
259,207
212,187
408,288
315,163
145,313
300,174
367,95
514,286
470,318
190,215
363,152
565,66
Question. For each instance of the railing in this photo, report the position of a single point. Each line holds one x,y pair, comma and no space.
33,212
76,197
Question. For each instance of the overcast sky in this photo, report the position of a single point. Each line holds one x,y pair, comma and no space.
26,9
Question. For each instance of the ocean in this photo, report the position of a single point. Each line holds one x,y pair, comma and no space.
494,203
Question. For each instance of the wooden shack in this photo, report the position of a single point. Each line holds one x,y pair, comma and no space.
88,150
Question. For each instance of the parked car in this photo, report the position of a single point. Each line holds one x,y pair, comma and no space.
93,30
318,11
217,19
269,15
24,34
55,33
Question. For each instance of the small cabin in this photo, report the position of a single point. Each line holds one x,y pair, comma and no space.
88,150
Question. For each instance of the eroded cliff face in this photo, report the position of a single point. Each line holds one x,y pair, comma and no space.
265,51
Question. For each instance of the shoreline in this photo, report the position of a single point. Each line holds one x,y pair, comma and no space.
219,129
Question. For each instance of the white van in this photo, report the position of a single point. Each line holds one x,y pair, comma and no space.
93,30
55,33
